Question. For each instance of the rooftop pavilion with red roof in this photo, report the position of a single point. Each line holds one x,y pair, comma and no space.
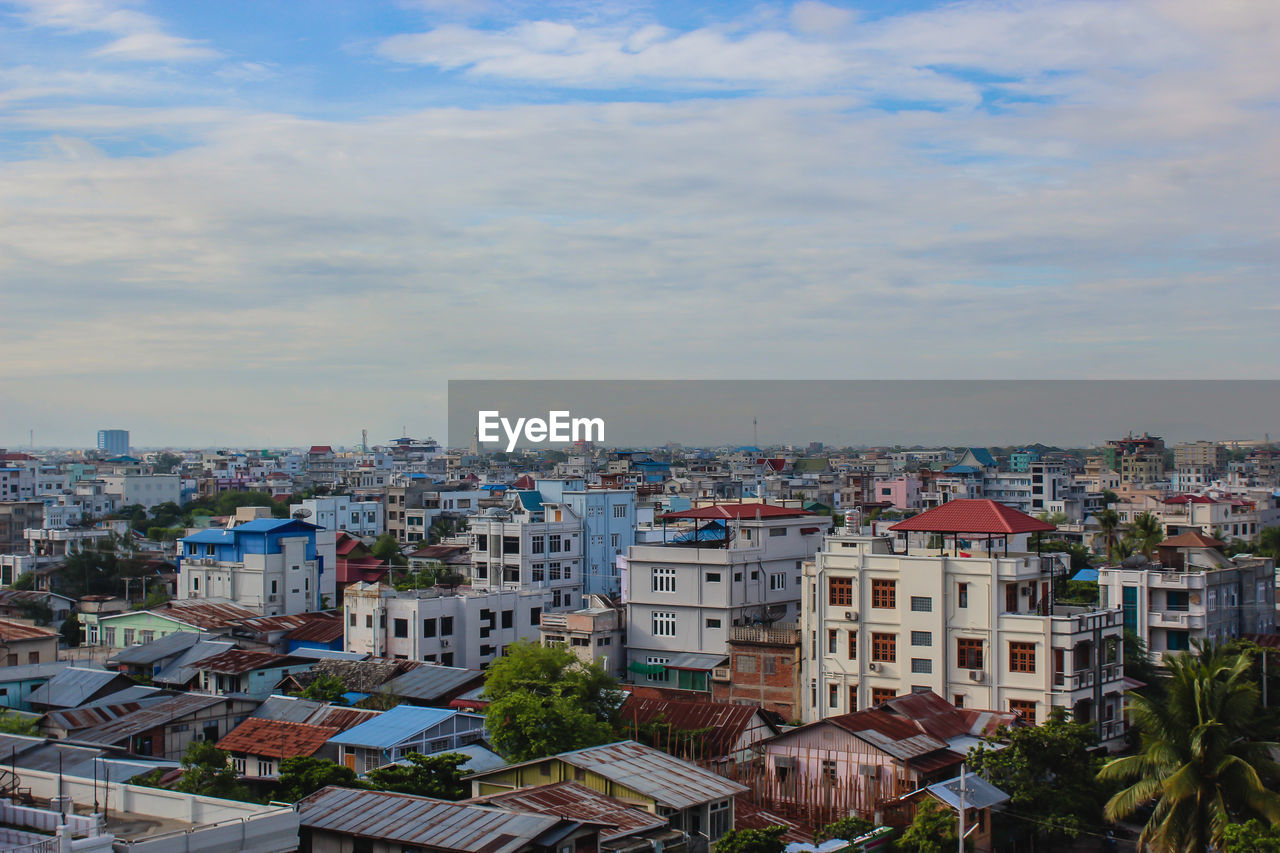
714,525
973,518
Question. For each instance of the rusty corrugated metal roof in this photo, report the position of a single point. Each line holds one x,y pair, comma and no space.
571,800
275,738
423,822
726,722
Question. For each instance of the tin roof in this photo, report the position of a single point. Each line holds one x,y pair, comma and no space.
159,714
158,649
31,671
432,683
978,792
239,661
12,631
74,686
655,774
726,722
186,666
276,738
578,802
316,630
423,822
401,723
205,613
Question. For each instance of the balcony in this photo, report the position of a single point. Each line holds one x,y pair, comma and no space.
1083,679
1176,619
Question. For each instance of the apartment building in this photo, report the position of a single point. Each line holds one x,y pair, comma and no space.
740,565
464,627
343,512
608,529
1193,592
273,566
980,630
531,543
148,490
1202,454
596,633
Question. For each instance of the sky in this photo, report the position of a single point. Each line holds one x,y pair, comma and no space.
279,223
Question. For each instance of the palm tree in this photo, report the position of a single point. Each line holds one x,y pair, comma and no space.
1198,762
1108,523
1146,532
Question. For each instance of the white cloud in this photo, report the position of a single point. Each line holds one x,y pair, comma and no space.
137,35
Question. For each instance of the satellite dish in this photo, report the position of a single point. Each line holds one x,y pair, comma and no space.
302,513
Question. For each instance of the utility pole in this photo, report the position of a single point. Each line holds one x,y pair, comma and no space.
960,819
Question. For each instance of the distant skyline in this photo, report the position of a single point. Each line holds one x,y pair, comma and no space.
269,224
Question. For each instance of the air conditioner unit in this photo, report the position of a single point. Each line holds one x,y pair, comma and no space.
872,667
444,644
976,675
851,615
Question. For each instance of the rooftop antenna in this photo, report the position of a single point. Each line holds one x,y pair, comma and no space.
755,432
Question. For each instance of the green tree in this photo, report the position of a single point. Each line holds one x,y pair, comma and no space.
1048,771
1269,543
1109,497
167,514
26,581
326,688
155,598
767,840
1108,524
301,777
207,770
1200,761
1137,660
13,723
1251,837
70,631
846,828
544,700
166,462
932,830
387,549
438,776
1147,532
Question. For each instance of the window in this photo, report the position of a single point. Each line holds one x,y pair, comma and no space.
962,595
401,627
508,618
921,604
428,627
882,694
128,636
840,592
853,698
266,768
1023,708
656,663
536,545
777,580
713,623
779,531
614,540
539,572
745,663
619,510
368,620
554,571
833,640
853,645
664,580
968,653
719,824
921,665
604,641
922,638
535,616
1022,657
446,626
553,543
446,658
958,700
833,696
884,593
579,641
713,577
664,623
884,647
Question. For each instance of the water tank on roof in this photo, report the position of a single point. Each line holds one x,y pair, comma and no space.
1135,561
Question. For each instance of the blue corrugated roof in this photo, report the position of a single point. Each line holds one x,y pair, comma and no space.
1086,575
962,469
983,455
389,728
531,500
211,537
271,525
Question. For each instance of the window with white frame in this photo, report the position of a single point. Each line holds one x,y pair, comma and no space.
778,580
721,818
619,510
664,580
664,623
654,662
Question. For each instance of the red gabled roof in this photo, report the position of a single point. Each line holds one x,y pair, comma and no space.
1192,539
320,448
738,512
974,515
16,457
346,543
1190,499
318,630
525,483
366,569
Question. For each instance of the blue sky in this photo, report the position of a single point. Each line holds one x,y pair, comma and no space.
281,206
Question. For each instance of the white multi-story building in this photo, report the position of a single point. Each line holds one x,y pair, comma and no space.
464,627
273,566
740,566
342,512
529,544
978,629
1194,592
147,490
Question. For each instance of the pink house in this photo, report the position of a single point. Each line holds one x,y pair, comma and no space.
902,491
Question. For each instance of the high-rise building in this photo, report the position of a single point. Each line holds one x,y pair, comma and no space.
113,442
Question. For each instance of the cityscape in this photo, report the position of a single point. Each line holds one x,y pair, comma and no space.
403,645
639,426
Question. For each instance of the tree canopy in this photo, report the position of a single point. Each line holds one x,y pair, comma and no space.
933,830
438,776
301,777
767,840
544,700
207,770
